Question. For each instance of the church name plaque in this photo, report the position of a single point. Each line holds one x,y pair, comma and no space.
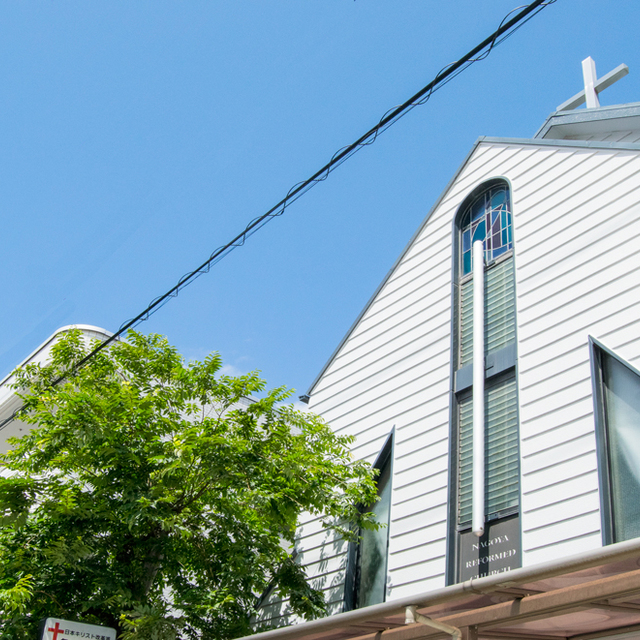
498,550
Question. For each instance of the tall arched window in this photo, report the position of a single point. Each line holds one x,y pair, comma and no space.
485,215
487,218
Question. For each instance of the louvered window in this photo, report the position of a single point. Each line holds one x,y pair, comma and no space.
501,452
487,217
499,309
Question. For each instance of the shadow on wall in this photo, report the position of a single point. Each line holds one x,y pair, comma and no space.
324,555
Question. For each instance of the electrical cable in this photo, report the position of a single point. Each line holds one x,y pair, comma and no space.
507,27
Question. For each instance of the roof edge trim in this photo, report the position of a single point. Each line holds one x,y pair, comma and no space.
612,112
57,332
395,264
586,144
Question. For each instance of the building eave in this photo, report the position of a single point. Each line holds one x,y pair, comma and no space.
82,327
584,116
556,599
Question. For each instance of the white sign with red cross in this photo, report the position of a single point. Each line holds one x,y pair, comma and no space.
57,629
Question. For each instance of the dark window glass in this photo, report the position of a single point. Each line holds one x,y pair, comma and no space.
372,554
366,570
620,397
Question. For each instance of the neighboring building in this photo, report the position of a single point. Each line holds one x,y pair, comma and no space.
10,402
556,408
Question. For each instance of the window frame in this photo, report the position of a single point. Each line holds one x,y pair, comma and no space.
351,580
596,351
498,365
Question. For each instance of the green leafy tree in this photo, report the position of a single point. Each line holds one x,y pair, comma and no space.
149,498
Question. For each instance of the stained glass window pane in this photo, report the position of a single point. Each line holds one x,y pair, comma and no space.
498,197
480,232
478,208
467,262
499,251
466,240
487,218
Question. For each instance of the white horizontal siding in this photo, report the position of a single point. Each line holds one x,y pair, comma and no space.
548,538
549,458
429,498
576,230
562,491
394,370
545,435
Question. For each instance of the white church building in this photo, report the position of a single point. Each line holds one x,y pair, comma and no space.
493,380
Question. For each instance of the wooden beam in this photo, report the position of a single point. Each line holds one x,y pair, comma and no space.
620,607
469,633
604,634
542,605
551,603
497,635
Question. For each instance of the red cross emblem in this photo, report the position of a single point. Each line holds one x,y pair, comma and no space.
56,630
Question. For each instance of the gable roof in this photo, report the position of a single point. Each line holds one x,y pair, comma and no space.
537,142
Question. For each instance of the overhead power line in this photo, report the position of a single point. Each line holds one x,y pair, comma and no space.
509,25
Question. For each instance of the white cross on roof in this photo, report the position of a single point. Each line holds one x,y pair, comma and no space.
593,86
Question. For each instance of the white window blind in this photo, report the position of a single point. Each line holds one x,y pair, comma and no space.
499,311
501,451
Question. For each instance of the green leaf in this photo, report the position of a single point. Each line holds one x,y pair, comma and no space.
146,498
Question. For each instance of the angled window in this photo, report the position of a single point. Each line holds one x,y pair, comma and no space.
484,216
366,574
616,386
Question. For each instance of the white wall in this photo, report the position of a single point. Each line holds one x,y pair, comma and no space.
10,402
576,222
576,227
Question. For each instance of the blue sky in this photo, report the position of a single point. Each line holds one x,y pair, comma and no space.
138,136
